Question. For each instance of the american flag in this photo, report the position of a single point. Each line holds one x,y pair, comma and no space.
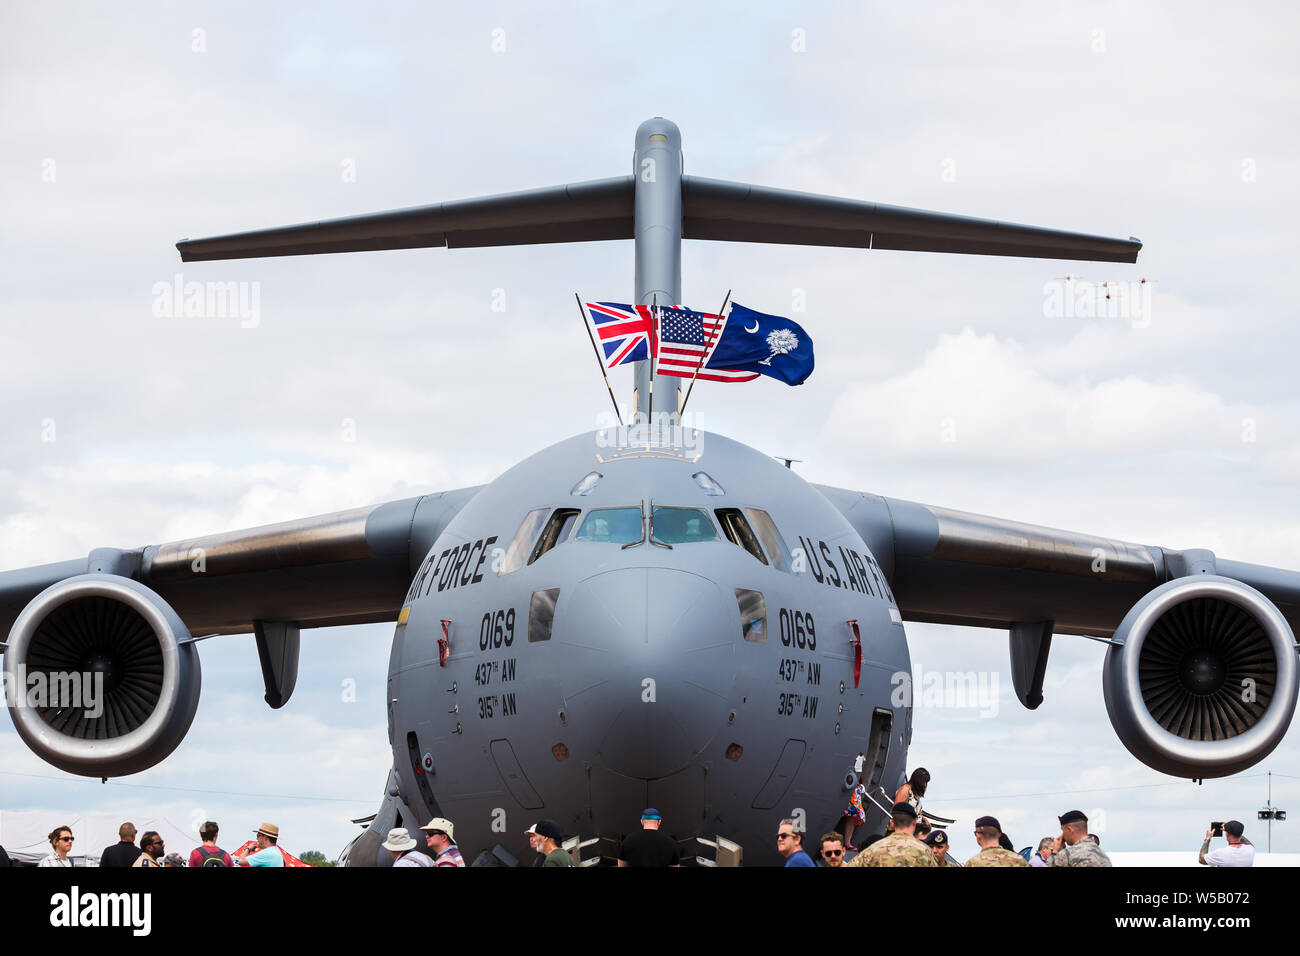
625,331
684,335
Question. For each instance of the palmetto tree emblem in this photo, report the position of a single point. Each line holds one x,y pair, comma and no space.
780,342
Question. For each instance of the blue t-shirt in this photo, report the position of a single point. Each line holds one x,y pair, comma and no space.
799,858
268,857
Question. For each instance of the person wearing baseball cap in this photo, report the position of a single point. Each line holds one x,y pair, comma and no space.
440,837
402,846
549,834
649,846
1238,852
937,841
268,854
901,847
1072,847
535,844
988,834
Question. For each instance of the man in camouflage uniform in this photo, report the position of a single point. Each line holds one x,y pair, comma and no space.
988,834
1074,847
900,848
937,841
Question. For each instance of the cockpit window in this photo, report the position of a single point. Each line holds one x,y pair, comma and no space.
586,484
611,526
523,540
771,538
738,532
707,483
683,525
556,530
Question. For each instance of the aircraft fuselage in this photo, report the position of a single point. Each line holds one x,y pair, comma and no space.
662,680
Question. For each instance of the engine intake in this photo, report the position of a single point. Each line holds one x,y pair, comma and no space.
1204,681
100,677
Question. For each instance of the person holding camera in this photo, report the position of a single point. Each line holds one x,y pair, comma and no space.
1238,852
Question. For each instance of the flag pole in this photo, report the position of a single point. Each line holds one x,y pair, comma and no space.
700,364
603,371
654,322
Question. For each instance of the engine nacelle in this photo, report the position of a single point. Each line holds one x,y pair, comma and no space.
98,679
1204,684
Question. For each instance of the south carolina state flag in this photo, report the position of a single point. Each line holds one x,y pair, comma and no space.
766,344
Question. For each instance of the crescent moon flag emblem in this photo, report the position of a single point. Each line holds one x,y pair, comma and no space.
753,330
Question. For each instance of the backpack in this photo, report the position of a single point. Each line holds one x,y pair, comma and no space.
212,856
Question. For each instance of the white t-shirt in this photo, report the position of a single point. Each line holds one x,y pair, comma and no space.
1240,855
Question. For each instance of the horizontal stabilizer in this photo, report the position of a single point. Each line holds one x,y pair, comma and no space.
736,212
580,212
711,209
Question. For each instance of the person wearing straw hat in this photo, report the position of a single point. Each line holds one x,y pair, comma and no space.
268,854
403,847
440,837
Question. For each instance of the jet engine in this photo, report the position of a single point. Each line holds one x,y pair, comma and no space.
100,676
1201,679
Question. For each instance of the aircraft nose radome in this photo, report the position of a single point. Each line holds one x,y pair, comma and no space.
656,682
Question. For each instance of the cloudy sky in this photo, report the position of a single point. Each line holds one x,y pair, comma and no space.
367,377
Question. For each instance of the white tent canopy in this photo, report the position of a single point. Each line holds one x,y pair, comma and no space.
25,834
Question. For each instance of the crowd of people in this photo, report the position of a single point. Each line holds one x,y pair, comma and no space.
911,839
151,850
648,846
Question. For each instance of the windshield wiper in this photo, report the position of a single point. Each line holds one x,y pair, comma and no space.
661,544
633,544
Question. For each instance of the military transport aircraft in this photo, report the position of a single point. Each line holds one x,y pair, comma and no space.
660,618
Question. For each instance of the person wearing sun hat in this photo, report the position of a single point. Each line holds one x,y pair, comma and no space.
268,854
403,846
440,837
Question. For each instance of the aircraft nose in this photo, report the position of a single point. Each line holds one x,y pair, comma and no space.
655,682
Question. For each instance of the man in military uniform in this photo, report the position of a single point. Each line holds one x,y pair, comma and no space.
988,834
937,841
900,848
1073,847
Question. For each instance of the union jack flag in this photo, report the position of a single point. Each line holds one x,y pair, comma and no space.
685,336
626,332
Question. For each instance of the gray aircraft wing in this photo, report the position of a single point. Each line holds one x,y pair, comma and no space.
349,567
954,567
711,209
1200,679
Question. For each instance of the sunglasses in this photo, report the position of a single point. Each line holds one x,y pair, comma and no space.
785,836
66,839
832,852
